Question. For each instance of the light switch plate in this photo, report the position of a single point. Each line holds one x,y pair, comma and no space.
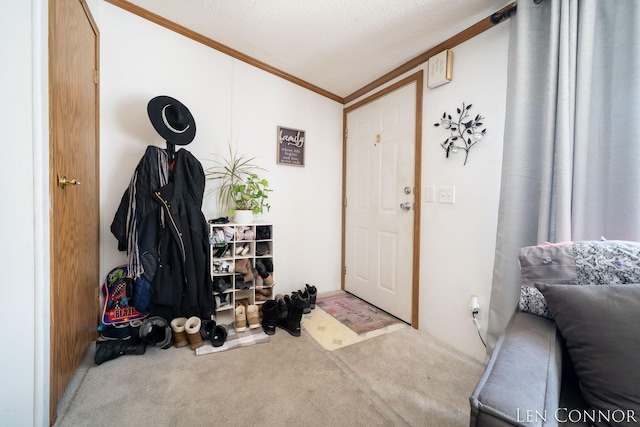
430,193
447,194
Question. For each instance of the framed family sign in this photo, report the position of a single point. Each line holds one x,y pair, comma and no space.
290,146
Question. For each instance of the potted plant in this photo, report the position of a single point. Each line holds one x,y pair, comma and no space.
249,198
239,186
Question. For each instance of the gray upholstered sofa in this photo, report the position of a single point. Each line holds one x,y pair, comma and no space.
570,355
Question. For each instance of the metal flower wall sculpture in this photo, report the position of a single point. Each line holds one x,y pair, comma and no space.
464,133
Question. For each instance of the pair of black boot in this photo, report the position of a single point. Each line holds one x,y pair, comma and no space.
286,311
307,296
283,312
110,349
132,338
118,340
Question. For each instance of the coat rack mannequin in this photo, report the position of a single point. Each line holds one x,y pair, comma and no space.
177,238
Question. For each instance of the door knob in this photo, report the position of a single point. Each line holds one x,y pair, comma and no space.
405,206
63,181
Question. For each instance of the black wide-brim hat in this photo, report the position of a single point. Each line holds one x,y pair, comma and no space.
172,120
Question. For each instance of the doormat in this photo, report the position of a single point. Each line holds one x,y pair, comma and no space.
356,314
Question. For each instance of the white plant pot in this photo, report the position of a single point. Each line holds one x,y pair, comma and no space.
243,216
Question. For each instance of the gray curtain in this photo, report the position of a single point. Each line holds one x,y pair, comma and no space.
571,164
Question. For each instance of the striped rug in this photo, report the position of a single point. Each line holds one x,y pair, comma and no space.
358,315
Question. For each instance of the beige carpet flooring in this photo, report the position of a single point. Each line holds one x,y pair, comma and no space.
401,377
425,382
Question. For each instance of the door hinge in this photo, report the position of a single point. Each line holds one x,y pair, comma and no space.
344,270
96,76
346,133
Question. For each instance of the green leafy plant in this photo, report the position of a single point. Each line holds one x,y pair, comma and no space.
232,173
252,195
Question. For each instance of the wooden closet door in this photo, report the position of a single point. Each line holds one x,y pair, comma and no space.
73,188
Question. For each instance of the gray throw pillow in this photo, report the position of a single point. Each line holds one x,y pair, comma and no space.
601,326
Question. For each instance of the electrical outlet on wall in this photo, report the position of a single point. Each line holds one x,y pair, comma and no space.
474,305
447,194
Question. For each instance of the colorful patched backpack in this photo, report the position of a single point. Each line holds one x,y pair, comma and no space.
118,298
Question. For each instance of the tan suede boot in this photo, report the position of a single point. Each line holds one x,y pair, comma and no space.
179,334
192,327
253,316
267,292
241,319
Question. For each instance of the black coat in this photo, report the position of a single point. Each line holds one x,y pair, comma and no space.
172,233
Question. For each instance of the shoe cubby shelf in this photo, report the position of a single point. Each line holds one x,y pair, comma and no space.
241,257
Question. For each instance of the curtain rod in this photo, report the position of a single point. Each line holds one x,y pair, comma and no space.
498,17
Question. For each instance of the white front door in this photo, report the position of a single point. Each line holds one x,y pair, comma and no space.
380,196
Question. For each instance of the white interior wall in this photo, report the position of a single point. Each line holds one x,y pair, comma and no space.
231,101
457,240
17,252
24,379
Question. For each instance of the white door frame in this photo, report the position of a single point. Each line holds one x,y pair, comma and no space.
418,79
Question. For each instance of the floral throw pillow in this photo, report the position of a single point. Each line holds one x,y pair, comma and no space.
607,263
532,301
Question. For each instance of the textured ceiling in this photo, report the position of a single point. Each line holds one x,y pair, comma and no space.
338,45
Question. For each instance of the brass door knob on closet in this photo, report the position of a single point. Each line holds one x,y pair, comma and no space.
63,181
